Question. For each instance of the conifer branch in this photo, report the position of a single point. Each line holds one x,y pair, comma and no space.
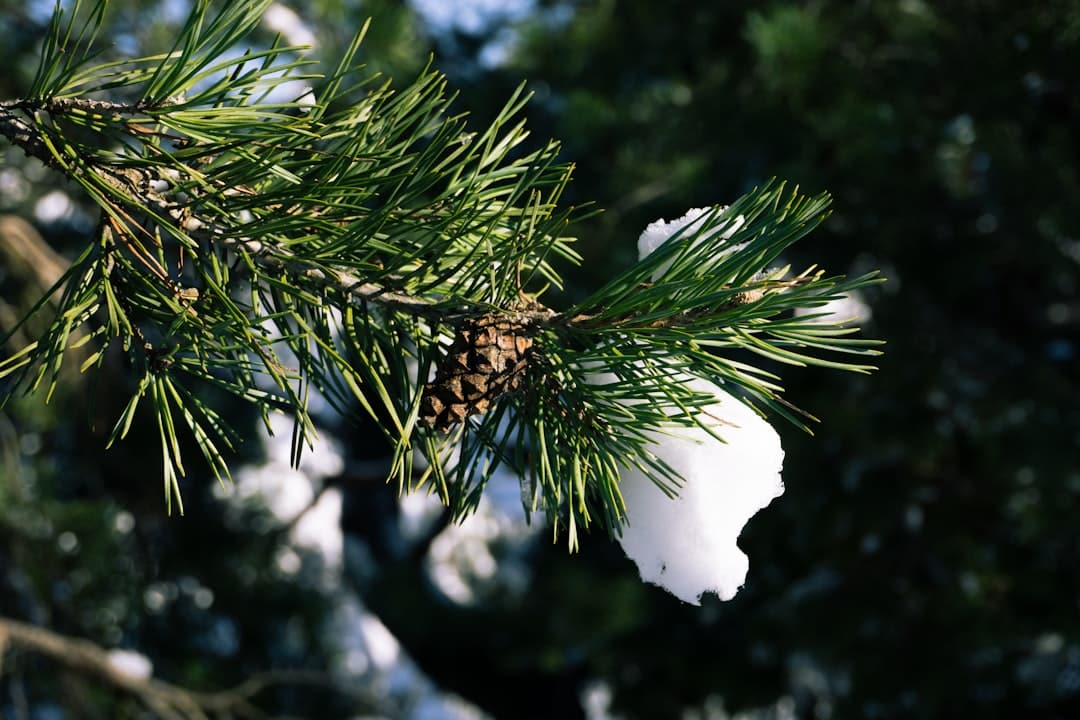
358,240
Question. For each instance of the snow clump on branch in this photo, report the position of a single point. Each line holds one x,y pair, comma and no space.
659,232
687,544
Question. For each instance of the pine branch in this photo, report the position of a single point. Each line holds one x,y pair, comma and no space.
357,240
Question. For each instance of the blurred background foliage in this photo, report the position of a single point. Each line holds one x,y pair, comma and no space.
922,562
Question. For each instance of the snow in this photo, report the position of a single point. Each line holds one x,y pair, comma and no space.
282,19
596,698
319,528
657,233
383,649
53,206
848,309
369,655
688,544
483,553
290,494
130,664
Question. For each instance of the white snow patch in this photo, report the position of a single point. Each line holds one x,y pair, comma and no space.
687,544
130,664
320,528
461,561
849,309
282,19
382,647
285,491
13,186
369,653
596,698
322,460
657,233
419,510
287,561
444,707
53,206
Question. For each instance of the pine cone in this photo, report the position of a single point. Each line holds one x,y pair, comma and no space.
487,358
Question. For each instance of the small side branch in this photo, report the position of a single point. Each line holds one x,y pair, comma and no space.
21,133
163,699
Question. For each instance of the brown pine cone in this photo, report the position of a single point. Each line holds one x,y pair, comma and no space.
487,358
